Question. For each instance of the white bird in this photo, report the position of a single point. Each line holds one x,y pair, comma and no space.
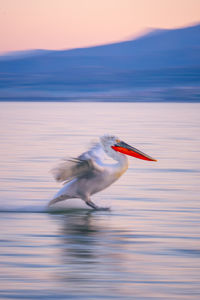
89,174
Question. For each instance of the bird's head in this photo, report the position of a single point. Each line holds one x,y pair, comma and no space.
112,144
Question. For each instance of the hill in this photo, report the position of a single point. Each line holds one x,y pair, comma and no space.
160,62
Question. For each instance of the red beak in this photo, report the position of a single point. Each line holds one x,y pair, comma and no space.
129,150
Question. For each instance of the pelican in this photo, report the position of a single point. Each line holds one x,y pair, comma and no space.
89,173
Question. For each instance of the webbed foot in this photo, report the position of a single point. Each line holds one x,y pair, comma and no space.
94,206
103,208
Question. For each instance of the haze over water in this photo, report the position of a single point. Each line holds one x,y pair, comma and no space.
146,247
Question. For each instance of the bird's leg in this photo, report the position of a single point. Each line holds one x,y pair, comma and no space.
89,202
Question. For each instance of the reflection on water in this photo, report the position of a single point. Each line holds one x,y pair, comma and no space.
93,254
146,247
79,232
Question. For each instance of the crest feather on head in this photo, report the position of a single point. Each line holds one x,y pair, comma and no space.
108,138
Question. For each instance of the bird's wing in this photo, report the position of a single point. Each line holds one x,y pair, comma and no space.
96,153
77,167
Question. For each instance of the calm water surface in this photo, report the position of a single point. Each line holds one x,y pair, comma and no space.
146,247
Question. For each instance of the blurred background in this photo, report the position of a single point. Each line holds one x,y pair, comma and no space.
71,71
87,50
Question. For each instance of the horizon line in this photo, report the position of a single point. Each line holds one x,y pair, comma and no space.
142,33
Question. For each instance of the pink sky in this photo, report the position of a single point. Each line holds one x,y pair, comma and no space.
62,24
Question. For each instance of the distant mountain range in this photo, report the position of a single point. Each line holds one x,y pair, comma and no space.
163,65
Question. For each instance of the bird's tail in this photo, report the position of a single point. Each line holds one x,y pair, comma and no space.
58,199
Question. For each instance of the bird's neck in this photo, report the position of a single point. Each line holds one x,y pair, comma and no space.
122,164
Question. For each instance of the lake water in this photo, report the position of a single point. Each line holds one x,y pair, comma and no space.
146,247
